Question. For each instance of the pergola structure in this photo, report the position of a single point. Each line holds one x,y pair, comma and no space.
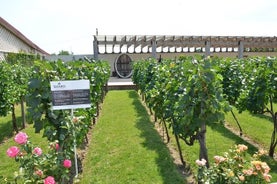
175,43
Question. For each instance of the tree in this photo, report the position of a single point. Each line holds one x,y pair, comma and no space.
64,52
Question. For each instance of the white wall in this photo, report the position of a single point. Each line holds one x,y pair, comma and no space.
111,57
66,58
10,43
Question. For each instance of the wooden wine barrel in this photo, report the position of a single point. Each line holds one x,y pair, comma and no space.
123,66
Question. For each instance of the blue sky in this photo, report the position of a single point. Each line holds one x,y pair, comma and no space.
56,25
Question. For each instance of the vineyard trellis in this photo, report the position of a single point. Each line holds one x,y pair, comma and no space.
55,123
251,84
191,91
186,93
33,82
14,76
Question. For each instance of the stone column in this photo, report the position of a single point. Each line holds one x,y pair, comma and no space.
154,49
240,50
207,48
95,49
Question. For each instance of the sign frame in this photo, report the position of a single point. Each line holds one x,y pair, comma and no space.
70,94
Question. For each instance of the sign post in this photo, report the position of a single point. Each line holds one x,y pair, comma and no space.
71,94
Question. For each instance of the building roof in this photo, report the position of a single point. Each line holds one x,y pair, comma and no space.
177,41
18,34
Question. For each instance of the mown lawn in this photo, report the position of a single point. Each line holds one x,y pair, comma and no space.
220,139
125,147
258,127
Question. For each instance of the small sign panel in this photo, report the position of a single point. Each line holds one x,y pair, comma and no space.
70,94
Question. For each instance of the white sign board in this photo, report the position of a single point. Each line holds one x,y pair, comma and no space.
70,94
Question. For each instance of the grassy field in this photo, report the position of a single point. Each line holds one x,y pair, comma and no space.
220,139
125,147
257,127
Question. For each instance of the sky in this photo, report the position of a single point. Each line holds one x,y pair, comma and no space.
56,25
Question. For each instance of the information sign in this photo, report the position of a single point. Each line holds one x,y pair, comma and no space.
70,94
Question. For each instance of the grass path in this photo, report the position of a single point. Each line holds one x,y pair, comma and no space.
125,147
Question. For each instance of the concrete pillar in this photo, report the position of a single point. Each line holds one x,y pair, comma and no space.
95,49
240,50
154,49
105,44
207,48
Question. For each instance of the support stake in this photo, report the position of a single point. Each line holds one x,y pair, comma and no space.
75,151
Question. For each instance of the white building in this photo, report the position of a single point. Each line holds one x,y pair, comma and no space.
12,40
